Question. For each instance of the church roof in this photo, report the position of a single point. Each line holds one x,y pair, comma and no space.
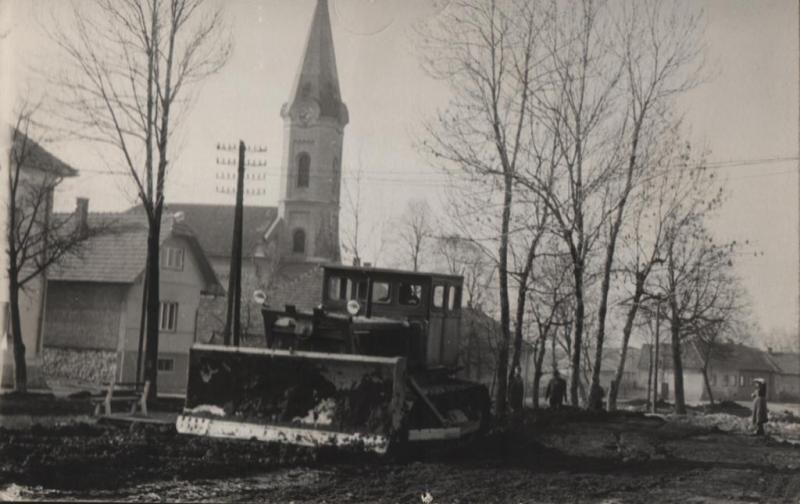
317,79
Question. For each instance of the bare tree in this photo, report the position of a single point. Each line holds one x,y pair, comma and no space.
485,51
415,230
659,46
35,241
129,68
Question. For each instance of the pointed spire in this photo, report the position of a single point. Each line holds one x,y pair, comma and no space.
317,80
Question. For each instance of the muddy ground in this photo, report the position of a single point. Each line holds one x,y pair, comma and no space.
567,456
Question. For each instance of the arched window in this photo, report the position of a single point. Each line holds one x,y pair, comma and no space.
299,241
303,166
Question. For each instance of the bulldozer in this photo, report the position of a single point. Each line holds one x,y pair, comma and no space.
373,366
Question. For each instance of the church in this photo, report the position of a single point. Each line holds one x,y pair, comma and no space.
283,246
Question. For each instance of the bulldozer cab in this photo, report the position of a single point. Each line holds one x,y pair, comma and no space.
428,302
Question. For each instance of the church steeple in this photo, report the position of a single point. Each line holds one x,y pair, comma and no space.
307,228
315,92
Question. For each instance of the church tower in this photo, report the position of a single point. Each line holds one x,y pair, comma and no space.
314,118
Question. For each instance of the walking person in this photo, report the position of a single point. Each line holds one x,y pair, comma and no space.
759,405
556,390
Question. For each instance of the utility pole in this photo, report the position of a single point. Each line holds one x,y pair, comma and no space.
233,326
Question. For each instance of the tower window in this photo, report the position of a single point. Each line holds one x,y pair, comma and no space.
299,241
303,166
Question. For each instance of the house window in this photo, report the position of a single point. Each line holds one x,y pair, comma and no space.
410,294
381,293
166,365
714,379
173,258
303,167
741,380
299,241
725,380
168,316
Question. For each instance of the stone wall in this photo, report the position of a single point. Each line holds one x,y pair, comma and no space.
78,365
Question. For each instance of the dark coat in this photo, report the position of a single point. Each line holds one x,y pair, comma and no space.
556,391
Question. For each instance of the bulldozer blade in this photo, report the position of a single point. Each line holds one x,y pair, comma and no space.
302,398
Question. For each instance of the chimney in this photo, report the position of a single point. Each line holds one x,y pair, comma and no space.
82,214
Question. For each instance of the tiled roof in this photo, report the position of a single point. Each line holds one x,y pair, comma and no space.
35,156
298,284
213,225
786,362
118,255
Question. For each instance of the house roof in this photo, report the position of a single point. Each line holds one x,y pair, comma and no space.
690,357
298,284
118,255
37,157
213,225
731,355
786,362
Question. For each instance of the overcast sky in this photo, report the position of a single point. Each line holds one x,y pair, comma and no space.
747,114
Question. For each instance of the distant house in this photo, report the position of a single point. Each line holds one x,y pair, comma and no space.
93,315
787,379
39,165
731,371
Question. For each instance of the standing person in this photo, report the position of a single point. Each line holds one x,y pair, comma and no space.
556,390
759,405
516,391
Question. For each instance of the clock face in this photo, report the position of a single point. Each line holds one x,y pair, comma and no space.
307,113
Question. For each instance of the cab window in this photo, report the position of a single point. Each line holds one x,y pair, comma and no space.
335,285
410,294
381,293
453,298
438,296
356,289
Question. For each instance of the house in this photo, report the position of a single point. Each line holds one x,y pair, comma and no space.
787,379
94,309
731,370
39,169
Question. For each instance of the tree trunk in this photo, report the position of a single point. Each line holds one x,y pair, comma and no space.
153,305
626,336
20,366
677,368
708,385
575,372
648,405
505,312
537,372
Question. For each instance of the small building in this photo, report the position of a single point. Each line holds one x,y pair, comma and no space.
731,370
94,303
39,169
787,379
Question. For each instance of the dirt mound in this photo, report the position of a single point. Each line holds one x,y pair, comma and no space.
81,456
727,407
